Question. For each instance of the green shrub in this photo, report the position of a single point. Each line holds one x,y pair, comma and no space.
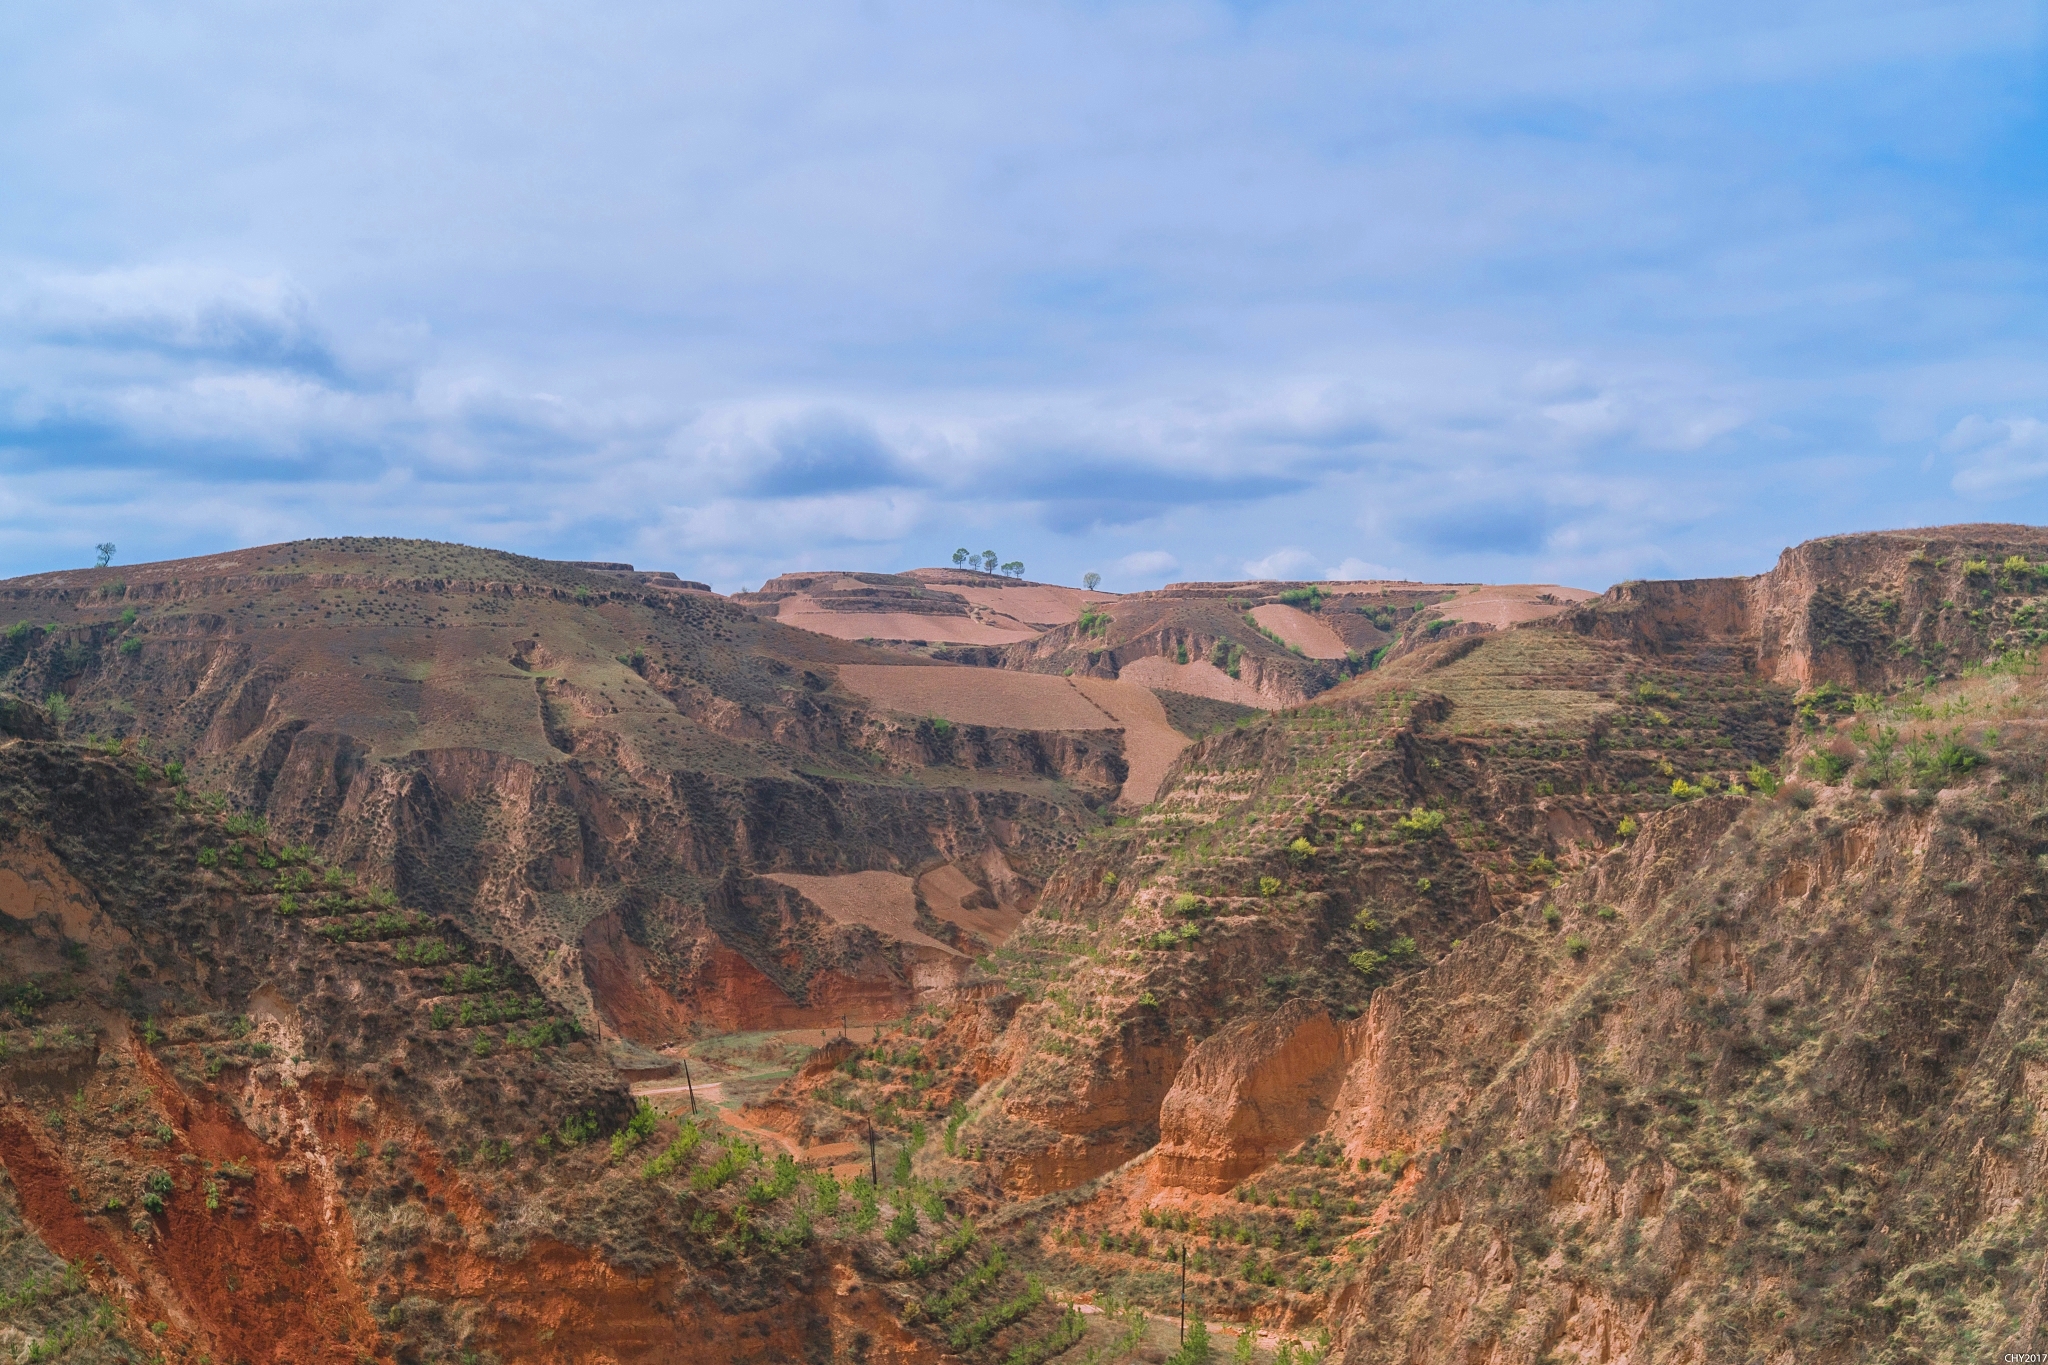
132,645
1301,850
1627,828
1762,780
734,1159
1195,1350
635,1132
1825,767
1936,764
1269,886
902,1227
1420,823
1366,961
1576,945
973,1334
209,858
676,1155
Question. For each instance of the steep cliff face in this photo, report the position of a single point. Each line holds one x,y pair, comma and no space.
1861,612
1246,1095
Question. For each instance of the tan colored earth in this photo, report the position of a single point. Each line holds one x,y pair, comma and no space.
1506,604
883,901
803,612
947,890
1033,701
1198,679
1301,629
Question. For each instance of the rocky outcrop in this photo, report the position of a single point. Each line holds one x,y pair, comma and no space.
1860,612
1246,1095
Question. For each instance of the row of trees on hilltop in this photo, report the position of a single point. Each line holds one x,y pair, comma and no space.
986,562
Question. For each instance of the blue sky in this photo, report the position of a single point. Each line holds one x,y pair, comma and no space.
1574,292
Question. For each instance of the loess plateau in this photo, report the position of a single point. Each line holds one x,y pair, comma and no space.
418,953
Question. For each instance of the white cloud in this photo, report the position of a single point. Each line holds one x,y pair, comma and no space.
1997,455
1140,566
1290,562
1354,570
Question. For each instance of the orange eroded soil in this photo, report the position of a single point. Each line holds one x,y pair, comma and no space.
883,901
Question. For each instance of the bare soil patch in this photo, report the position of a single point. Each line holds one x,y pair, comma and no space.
1505,604
883,901
948,891
899,625
1040,605
1300,629
1198,679
1150,741
978,696
1033,701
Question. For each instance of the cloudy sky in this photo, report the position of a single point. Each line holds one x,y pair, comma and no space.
1574,291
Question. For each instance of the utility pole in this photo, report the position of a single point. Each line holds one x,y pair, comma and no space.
692,1085
1183,1293
874,1167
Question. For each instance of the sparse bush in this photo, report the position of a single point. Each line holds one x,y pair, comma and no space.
1826,767
676,1155
1576,945
1195,1350
902,1227
1420,823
